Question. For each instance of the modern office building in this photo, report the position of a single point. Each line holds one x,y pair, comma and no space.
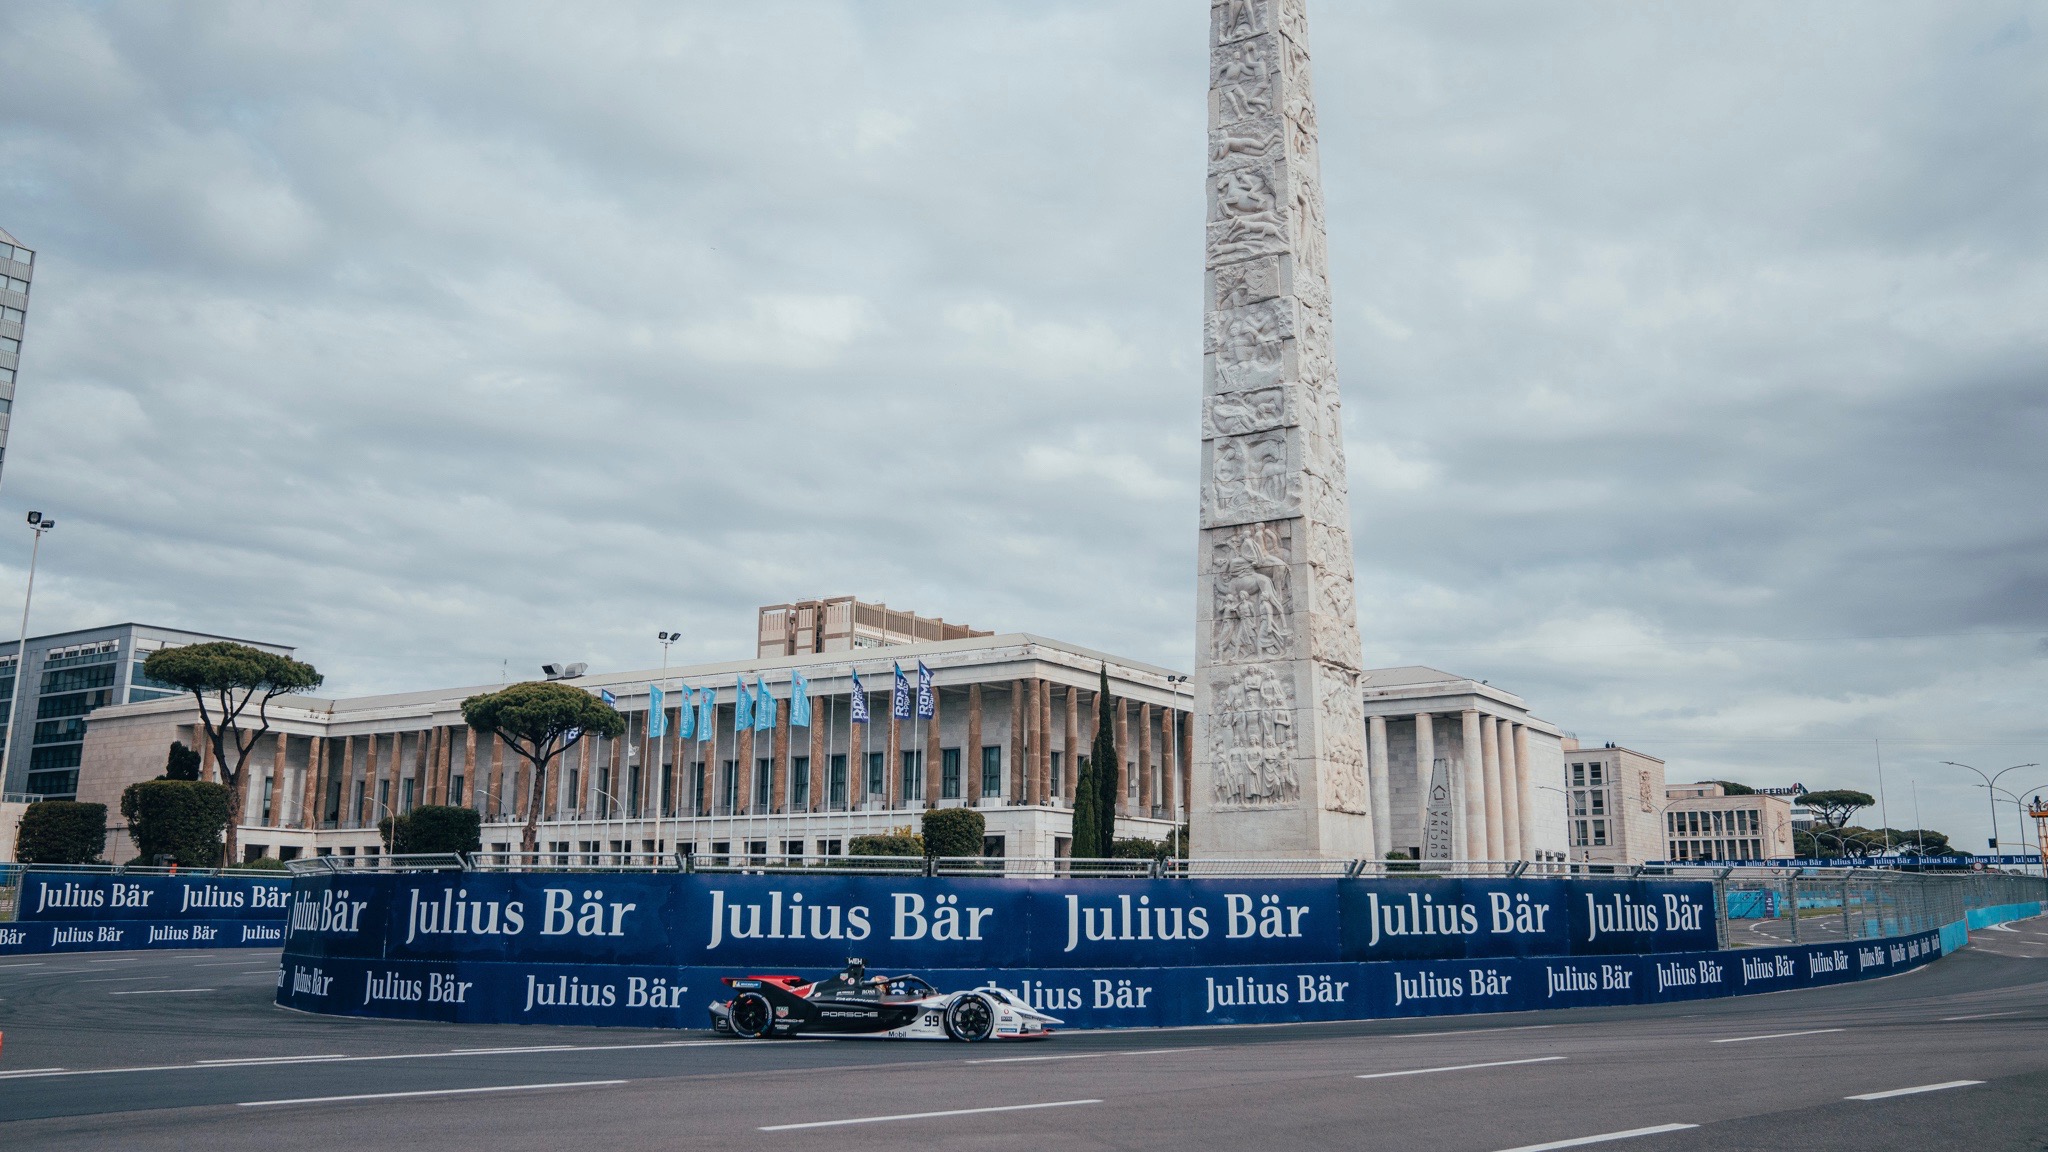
17,269
1616,798
70,675
844,624
1703,822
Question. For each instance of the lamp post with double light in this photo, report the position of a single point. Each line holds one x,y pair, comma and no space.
38,524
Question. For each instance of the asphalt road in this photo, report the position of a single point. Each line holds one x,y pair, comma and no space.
184,1050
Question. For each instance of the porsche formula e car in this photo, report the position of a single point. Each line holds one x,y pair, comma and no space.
886,1007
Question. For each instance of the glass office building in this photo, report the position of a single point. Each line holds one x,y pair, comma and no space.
17,268
69,675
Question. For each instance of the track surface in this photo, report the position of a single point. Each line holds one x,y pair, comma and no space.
114,1051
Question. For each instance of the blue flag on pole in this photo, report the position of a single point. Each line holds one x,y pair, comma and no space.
742,707
899,700
764,707
927,705
860,701
799,700
707,714
605,694
657,713
686,714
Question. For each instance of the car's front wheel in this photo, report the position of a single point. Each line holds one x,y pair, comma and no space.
971,1018
751,1015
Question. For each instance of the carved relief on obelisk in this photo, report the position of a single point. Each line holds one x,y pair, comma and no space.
1280,727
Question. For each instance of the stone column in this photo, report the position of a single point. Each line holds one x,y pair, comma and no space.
1280,751
309,814
1145,759
743,764
499,804
1525,780
477,777
1380,781
276,819
1425,765
779,795
1472,839
343,817
1042,793
1510,792
1071,753
1016,772
821,770
1489,760
857,759
933,752
372,774
972,754
1123,757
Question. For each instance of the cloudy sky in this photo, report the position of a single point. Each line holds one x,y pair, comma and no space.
1693,355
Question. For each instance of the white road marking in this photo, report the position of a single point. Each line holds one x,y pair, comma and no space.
27,1072
30,964
1457,1068
432,1092
1914,1091
1464,1032
260,1060
1083,1055
1777,1035
1980,1016
156,991
925,1115
113,960
1604,1137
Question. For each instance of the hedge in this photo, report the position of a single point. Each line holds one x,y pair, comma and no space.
954,831
61,832
894,844
433,828
182,819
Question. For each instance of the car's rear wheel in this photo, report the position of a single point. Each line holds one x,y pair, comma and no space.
751,1015
971,1018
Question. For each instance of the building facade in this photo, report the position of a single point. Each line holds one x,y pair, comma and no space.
1616,803
1460,769
844,624
1011,716
71,675
1703,822
17,270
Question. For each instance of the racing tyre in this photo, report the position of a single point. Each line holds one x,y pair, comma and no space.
751,1015
971,1018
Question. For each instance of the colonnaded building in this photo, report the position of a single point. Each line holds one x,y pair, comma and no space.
1011,715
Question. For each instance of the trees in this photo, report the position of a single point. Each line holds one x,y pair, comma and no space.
1832,809
227,679
433,828
181,819
540,720
1094,835
1731,788
181,764
954,831
61,832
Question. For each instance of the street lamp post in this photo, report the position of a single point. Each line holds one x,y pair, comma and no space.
1564,799
38,524
1988,797
1180,797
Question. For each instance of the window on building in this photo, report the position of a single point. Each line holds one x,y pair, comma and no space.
455,791
729,786
1593,776
835,781
1059,779
1599,833
992,847
876,769
799,783
949,773
992,770
1598,802
1131,779
764,783
913,774
267,785
829,848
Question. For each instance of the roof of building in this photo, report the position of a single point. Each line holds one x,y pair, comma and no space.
8,238
8,645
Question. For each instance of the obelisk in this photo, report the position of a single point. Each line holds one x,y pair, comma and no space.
1279,756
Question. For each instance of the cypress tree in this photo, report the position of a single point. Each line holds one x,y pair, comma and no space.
1105,759
1085,835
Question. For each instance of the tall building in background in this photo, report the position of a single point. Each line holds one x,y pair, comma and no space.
17,268
842,624
71,674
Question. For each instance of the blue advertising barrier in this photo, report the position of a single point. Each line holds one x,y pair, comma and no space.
793,922
74,912
74,896
644,950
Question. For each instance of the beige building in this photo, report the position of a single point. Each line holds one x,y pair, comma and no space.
844,624
1011,715
1460,769
1615,804
1703,822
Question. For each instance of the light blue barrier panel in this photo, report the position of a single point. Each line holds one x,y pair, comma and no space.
1980,918
1752,904
1954,936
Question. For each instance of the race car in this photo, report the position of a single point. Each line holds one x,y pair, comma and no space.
885,1007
